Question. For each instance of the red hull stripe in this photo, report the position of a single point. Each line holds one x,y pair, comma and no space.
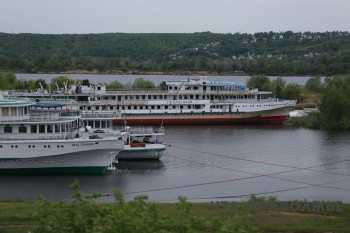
202,121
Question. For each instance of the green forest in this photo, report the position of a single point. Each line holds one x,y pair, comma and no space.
266,53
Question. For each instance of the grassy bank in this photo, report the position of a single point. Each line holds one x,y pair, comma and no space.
19,217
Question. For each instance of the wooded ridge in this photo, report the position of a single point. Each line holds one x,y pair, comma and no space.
268,53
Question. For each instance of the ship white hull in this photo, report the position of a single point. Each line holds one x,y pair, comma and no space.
272,116
59,156
149,151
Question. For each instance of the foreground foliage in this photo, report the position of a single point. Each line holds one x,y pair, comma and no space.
267,214
82,215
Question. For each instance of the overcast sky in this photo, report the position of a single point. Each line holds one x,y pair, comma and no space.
187,16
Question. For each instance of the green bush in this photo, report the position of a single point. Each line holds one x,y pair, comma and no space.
261,82
141,83
84,216
312,121
115,85
314,85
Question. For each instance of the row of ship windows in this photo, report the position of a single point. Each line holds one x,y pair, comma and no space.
21,161
259,105
14,111
182,97
160,107
38,128
15,161
141,107
212,88
33,146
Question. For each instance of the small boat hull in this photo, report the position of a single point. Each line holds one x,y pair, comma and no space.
149,151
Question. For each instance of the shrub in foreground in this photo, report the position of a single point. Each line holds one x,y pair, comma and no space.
83,215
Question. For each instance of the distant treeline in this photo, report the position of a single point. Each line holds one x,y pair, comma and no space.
269,53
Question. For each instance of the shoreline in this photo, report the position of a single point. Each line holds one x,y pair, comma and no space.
137,72
169,73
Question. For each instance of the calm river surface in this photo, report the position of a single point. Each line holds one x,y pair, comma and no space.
157,79
206,163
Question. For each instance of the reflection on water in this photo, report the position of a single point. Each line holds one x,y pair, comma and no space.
141,165
217,161
335,149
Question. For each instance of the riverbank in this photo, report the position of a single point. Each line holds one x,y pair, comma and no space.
309,100
298,217
154,72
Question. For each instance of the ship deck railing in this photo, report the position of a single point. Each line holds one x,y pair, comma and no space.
138,90
23,137
51,116
39,117
100,114
145,130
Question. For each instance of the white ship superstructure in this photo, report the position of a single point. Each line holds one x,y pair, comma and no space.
190,101
50,141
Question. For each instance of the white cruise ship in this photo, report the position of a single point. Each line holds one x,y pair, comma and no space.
48,141
191,101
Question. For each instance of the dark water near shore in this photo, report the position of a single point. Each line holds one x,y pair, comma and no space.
207,163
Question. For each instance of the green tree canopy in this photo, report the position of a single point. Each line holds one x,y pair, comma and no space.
335,103
39,83
115,85
260,82
291,91
277,85
142,83
61,81
8,80
314,84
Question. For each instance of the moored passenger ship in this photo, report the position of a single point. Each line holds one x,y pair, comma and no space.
49,141
192,102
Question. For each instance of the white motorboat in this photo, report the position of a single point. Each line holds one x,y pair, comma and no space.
142,143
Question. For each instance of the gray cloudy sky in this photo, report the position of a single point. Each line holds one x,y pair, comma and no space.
222,16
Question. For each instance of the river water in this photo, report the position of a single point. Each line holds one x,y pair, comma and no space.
206,163
157,79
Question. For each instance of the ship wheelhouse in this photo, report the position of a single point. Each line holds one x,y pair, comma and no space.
20,120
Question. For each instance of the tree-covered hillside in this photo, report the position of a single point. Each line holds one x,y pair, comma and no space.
283,53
